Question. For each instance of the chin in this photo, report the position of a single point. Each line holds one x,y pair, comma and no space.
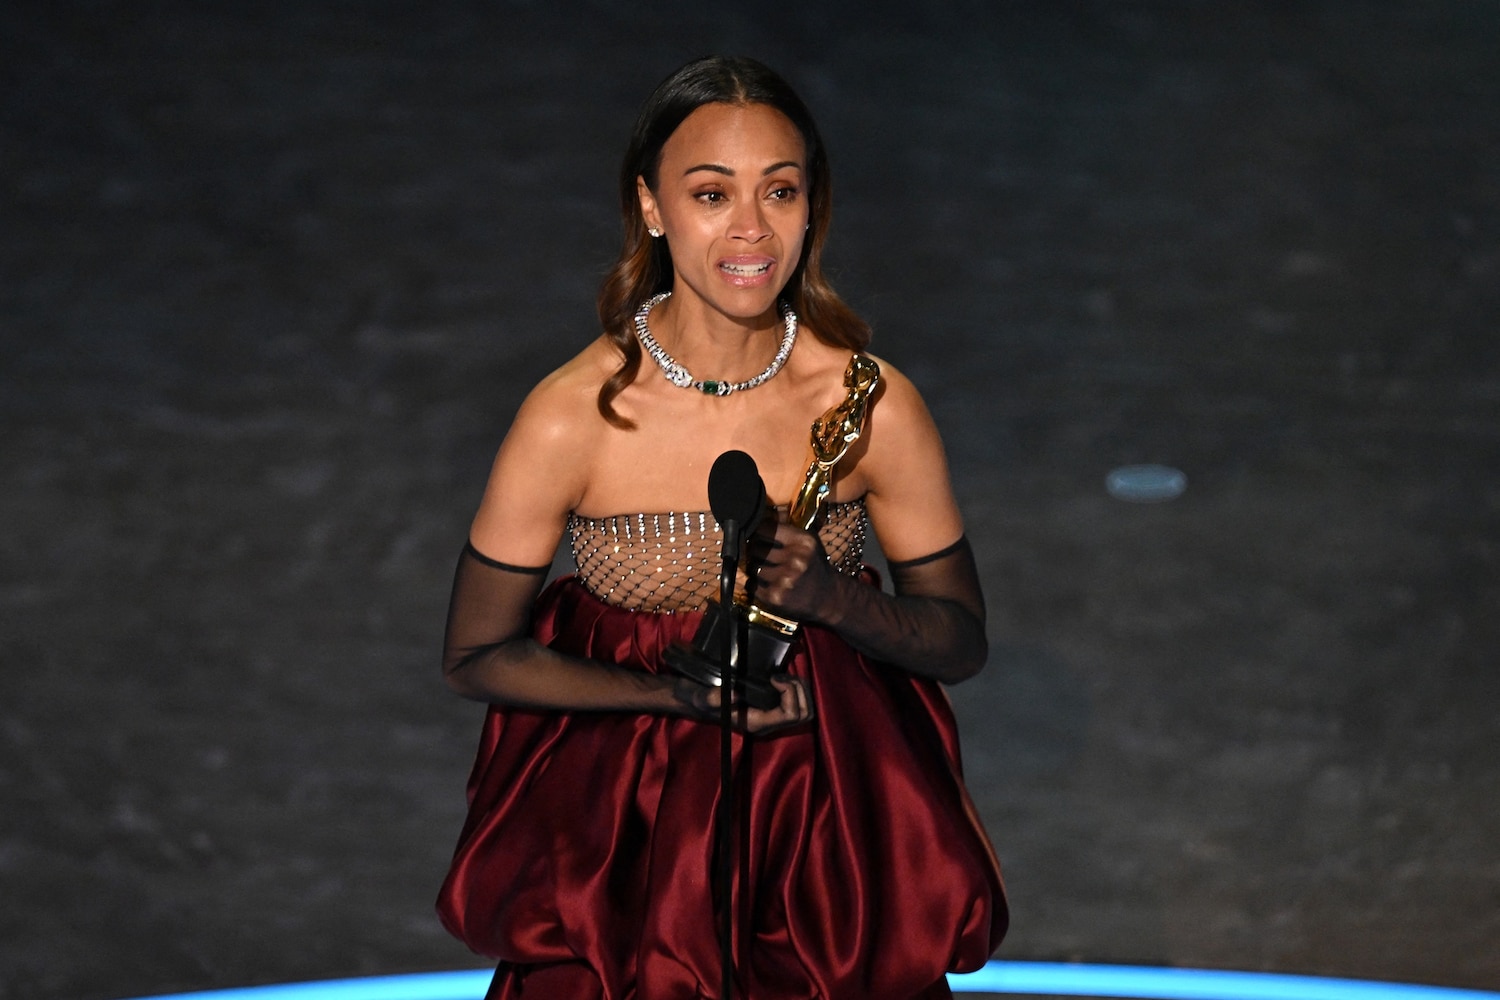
742,303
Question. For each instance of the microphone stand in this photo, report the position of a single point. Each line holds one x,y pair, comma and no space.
726,757
737,496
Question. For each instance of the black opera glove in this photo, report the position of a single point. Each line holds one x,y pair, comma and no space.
932,626
792,575
488,613
489,655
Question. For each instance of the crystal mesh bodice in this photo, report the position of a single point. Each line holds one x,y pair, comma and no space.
670,562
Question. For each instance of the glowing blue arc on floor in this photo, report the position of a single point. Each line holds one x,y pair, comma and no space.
1057,979
1048,978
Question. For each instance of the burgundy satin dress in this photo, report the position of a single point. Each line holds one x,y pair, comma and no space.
586,861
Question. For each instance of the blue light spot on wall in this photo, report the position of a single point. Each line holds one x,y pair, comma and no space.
1145,483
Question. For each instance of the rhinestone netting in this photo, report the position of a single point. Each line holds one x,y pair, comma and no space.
670,562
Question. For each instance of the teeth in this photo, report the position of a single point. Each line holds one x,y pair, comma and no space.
746,270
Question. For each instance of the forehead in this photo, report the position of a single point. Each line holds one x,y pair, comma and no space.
748,136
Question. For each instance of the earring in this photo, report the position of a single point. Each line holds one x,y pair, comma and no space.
655,233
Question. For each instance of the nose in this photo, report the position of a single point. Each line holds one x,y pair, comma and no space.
748,222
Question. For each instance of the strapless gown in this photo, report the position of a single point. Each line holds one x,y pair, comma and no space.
585,865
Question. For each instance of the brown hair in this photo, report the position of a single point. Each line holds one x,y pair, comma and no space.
644,266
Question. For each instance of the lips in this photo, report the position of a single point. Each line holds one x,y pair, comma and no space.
746,269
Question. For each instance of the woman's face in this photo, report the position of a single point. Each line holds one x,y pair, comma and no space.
732,201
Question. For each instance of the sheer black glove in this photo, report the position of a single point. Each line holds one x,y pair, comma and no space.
489,655
933,626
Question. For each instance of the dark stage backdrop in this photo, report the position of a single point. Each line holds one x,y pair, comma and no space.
275,276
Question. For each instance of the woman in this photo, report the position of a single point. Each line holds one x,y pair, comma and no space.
584,864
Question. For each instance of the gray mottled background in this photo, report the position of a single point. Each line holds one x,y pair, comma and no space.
274,276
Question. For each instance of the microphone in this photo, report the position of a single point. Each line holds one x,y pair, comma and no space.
737,498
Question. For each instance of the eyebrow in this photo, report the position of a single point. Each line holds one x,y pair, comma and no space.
719,168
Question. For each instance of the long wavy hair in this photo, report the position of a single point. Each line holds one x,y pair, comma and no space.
644,266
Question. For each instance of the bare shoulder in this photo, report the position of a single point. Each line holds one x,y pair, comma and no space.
896,391
899,417
562,408
905,471
544,463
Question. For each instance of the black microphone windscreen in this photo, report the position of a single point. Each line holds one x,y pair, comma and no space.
735,491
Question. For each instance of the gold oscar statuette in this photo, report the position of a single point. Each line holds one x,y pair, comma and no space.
833,434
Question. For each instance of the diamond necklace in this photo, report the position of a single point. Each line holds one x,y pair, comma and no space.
679,376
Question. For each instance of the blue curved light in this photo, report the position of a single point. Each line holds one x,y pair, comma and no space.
1057,979
1044,978
470,985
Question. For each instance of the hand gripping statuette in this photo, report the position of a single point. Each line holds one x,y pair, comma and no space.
766,637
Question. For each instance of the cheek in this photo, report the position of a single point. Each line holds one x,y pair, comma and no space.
802,222
685,223
799,236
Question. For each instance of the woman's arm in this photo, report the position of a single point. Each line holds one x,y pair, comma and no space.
488,654
933,625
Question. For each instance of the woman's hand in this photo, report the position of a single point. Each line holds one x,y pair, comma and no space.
794,709
932,626
792,574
